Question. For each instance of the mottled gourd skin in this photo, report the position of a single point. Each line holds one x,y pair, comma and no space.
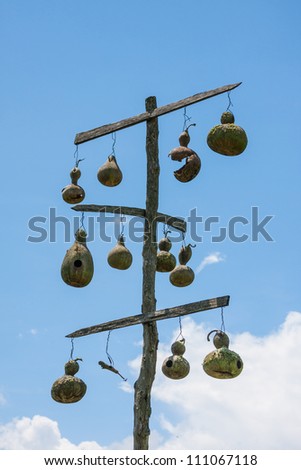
175,367
120,257
166,262
109,174
181,276
223,364
69,389
77,268
178,348
73,193
227,138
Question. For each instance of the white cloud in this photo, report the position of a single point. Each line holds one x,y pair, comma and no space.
257,410
215,257
38,432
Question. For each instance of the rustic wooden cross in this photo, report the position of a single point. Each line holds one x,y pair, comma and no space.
149,315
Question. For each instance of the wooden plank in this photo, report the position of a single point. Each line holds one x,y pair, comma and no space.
164,314
174,222
86,136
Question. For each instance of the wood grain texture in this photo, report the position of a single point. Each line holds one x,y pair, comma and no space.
174,222
164,314
97,132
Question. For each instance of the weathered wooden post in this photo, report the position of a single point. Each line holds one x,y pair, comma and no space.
149,315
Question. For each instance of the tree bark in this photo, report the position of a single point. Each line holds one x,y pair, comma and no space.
143,385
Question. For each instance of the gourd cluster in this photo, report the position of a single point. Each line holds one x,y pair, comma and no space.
77,268
222,363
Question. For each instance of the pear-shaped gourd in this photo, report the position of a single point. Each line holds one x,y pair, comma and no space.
109,173
182,275
73,193
222,363
166,261
227,138
120,257
69,389
77,268
176,366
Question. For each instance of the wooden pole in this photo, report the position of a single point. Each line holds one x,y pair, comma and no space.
143,385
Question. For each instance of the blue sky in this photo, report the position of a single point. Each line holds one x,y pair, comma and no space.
71,66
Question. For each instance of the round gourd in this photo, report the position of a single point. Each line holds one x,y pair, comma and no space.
227,138
77,268
175,367
223,364
69,389
166,262
181,276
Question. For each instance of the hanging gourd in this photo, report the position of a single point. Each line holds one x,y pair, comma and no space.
120,257
77,268
222,363
182,275
73,193
166,261
69,389
109,173
193,162
227,138
176,366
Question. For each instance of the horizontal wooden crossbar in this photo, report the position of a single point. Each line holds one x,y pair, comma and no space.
82,137
174,222
164,314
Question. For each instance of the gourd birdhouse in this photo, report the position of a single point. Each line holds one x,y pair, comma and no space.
182,275
192,164
120,257
227,138
69,389
166,261
176,366
222,363
73,193
77,268
109,174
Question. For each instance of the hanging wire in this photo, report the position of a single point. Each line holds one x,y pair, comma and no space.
72,349
122,224
180,335
114,143
82,225
186,119
183,239
107,350
165,230
223,329
76,156
230,102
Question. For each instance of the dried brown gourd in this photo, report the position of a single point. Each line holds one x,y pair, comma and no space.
109,173
193,162
182,275
222,363
73,193
227,138
69,389
77,268
176,366
120,257
166,261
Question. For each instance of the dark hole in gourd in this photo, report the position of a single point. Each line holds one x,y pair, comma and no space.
78,263
238,364
169,363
